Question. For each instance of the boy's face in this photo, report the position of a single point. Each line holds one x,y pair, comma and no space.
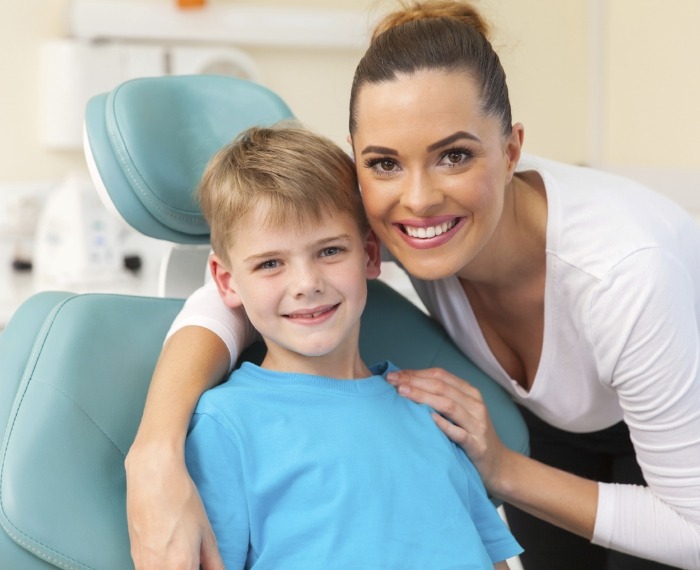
303,288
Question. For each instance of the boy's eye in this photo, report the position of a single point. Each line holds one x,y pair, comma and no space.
330,251
269,264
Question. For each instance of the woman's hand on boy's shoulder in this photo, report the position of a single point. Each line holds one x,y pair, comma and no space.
461,414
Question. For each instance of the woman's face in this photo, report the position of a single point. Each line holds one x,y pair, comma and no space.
432,170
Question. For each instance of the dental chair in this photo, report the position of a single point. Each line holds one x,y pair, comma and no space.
75,369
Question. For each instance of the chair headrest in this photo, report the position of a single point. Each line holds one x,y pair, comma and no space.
148,140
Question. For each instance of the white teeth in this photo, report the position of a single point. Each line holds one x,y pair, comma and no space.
310,315
430,231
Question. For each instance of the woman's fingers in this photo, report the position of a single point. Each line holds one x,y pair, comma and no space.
461,413
434,380
448,395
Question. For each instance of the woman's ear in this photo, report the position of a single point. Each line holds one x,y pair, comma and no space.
514,148
224,282
374,255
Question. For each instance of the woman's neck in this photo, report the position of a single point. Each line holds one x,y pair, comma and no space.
515,254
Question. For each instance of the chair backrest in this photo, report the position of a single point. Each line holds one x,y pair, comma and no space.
148,141
76,368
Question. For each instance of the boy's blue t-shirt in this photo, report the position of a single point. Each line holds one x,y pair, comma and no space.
300,471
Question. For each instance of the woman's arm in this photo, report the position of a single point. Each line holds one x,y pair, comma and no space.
168,527
558,497
644,338
647,346
656,523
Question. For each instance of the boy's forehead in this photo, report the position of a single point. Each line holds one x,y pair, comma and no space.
265,214
258,226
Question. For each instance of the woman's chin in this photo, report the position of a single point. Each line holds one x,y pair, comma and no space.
428,269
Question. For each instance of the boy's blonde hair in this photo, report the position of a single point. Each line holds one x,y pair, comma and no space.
300,175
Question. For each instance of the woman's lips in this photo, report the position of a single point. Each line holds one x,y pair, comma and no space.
426,234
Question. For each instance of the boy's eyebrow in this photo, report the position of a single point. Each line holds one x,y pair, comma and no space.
339,237
430,148
262,255
279,252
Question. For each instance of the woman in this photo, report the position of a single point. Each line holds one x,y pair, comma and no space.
577,291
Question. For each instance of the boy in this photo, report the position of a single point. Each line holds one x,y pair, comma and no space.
311,460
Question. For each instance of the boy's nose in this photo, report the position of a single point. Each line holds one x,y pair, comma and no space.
307,281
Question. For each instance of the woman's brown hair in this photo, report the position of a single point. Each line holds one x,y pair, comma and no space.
442,35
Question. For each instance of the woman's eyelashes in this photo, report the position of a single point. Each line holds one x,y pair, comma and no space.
450,158
381,166
455,157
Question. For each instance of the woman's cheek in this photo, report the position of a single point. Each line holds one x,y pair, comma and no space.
373,206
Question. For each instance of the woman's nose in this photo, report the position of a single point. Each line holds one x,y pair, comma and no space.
420,194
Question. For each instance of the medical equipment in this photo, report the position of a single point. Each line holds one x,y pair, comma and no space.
77,240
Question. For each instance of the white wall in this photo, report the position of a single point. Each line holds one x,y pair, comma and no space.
635,103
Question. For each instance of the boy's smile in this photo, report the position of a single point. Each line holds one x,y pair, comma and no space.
303,287
313,316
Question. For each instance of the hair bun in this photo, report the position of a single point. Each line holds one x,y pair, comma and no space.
417,10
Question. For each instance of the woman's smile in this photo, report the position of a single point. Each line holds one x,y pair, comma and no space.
436,170
429,233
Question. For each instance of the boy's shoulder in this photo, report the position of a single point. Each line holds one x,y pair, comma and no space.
234,392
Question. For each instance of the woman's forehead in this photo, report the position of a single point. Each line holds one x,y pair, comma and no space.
419,93
424,105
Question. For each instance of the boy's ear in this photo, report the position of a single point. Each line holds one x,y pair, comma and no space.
374,255
224,282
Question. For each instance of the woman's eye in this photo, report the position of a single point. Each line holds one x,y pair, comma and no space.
382,166
455,157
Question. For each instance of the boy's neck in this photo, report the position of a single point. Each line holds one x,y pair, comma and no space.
339,367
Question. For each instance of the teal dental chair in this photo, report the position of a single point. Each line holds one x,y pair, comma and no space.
74,369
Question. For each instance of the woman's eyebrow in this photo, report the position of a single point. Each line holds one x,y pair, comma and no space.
452,138
379,150
434,146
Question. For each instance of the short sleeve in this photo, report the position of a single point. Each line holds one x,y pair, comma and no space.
495,535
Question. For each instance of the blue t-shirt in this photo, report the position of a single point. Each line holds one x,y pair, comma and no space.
301,471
